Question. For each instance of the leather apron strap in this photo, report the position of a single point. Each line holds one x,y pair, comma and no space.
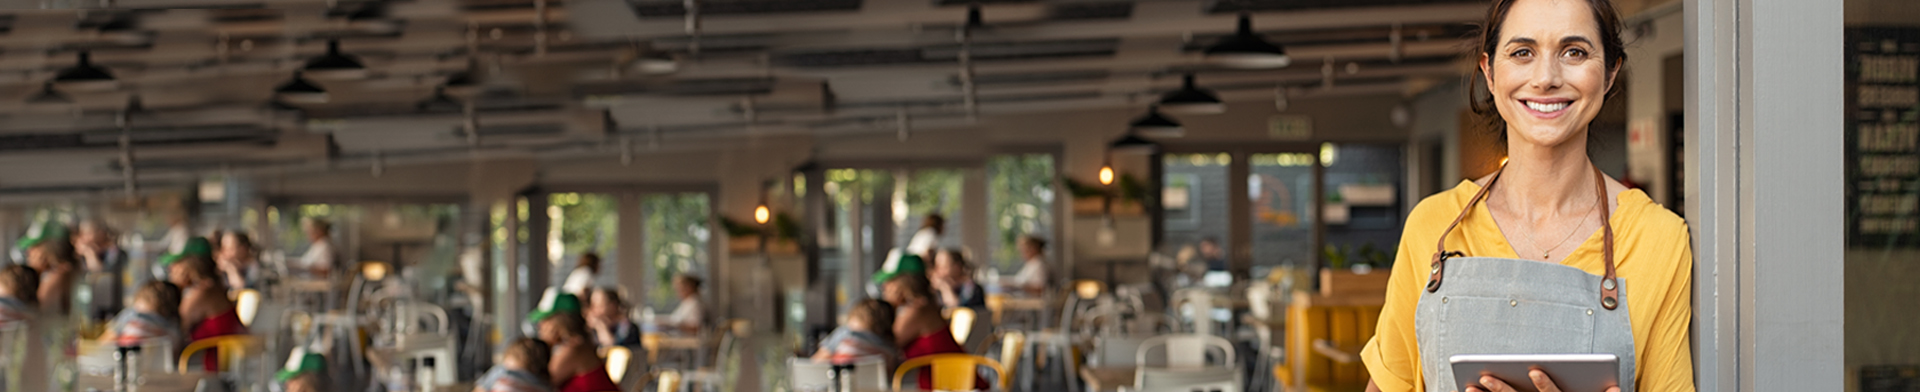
1609,284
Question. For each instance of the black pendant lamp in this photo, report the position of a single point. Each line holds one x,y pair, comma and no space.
1132,144
1154,124
335,65
299,90
48,96
1191,99
440,102
1247,50
84,76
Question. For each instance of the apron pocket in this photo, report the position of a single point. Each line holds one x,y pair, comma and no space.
1490,325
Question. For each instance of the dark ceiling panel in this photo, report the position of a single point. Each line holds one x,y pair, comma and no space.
1236,6
1091,11
999,51
675,8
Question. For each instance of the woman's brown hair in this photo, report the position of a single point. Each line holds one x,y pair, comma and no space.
165,297
23,282
533,353
878,315
1612,47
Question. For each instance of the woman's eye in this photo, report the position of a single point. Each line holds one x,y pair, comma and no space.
1521,53
1576,52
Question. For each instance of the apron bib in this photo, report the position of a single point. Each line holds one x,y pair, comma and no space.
1486,305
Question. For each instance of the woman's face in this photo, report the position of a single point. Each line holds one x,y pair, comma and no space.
1547,73
231,249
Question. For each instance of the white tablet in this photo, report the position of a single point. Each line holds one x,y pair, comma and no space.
1572,372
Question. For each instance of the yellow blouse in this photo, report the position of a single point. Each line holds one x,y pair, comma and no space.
1652,255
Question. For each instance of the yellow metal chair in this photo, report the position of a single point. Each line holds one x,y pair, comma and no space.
1012,344
951,372
233,348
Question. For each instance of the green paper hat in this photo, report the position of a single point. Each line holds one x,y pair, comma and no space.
904,264
43,232
301,362
196,246
552,303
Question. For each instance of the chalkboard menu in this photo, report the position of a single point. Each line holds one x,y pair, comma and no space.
1883,171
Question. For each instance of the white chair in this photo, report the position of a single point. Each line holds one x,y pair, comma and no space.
1198,307
1266,324
869,374
1183,351
1221,379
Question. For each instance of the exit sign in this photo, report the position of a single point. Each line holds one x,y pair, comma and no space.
1290,127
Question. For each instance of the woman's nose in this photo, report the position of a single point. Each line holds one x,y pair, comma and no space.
1547,75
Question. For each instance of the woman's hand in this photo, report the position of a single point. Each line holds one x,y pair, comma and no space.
1540,383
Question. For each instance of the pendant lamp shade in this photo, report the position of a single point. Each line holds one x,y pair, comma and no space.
299,90
335,65
84,76
1247,50
1132,144
1154,124
48,96
1191,99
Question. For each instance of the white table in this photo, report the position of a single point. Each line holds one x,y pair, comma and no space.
150,381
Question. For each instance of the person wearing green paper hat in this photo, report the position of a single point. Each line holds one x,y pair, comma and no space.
191,247
49,252
304,371
576,365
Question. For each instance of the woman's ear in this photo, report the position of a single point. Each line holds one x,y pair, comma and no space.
1613,74
1486,69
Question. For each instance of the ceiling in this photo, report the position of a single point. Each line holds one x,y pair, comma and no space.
555,77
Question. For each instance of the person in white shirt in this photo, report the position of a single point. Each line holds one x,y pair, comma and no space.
319,259
691,315
582,276
1033,277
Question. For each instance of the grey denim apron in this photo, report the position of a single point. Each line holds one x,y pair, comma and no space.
1510,306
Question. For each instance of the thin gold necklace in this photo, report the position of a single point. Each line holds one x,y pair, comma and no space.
1547,254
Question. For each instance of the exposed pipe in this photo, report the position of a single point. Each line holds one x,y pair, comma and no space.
1394,41
970,98
626,151
539,28
693,26
903,123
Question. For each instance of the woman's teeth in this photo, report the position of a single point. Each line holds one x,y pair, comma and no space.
1546,107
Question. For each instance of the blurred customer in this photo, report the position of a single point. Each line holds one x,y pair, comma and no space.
204,307
952,279
867,332
522,369
576,365
1033,278
191,248
239,263
607,317
583,275
154,316
19,289
319,260
106,266
918,328
1211,253
932,233
305,371
691,315
51,254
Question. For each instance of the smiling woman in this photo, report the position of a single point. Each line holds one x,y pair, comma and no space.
1515,282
